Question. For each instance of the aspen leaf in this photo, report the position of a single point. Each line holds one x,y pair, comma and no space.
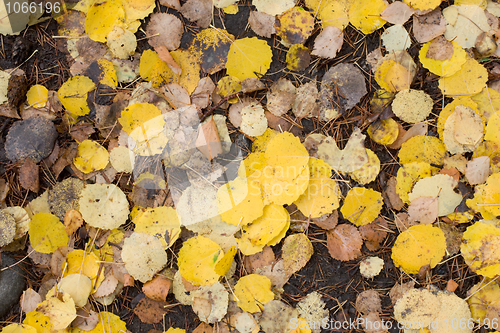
397,12
296,252
422,148
344,242
37,96
78,286
210,302
384,132
19,328
253,120
371,267
103,206
273,7
122,159
463,130
294,26
483,298
143,264
362,205
197,259
91,156
253,292
441,187
396,38
155,70
368,171
424,210
47,233
109,323
423,4
121,42
469,80
137,114
351,158
365,16
488,103
190,66
330,12
248,58
240,201
450,108
487,197
7,228
81,262
492,130
443,67
60,310
224,265
297,58
328,42
102,18
262,24
161,222
137,9
479,248
39,321
465,23
418,246
211,47
477,170
412,105
73,95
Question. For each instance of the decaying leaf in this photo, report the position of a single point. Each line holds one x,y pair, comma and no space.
478,248
297,250
344,242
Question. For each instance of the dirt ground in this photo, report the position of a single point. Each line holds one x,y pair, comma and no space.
38,54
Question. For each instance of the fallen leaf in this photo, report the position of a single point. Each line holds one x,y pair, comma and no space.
396,38
478,248
369,301
328,42
210,302
469,80
344,242
78,286
423,210
441,187
296,252
46,233
371,267
374,233
422,148
365,16
262,24
298,58
211,47
252,292
60,310
397,12
199,11
248,58
294,26
103,206
478,170
362,205
272,7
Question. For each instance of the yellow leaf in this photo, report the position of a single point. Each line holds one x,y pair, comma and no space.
223,266
298,58
37,96
365,15
40,322
319,168
253,292
137,114
107,73
47,233
254,161
368,171
362,205
175,330
161,222
155,70
229,85
481,249
492,131
231,9
211,47
61,310
273,7
422,148
91,156
190,66
73,95
423,4
281,190
320,197
445,67
105,252
137,9
469,80
296,252
408,175
260,143
393,76
240,201
294,26
412,105
384,132
463,130
264,230
102,17
78,286
482,297
108,323
450,108
330,12
418,246
248,58
197,259
488,103
81,262
18,328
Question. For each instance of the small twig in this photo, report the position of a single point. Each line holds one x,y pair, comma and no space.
222,101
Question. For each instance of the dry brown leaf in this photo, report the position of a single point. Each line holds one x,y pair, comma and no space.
397,13
327,221
171,4
282,124
453,172
157,289
403,136
164,29
202,92
451,286
402,221
30,300
203,328
259,260
72,221
328,42
58,260
399,290
423,210
306,101
390,191
440,49
165,55
477,170
251,84
208,141
176,95
344,242
262,24
368,301
86,320
371,322
280,97
81,131
29,175
199,11
374,233
149,311
108,285
428,26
